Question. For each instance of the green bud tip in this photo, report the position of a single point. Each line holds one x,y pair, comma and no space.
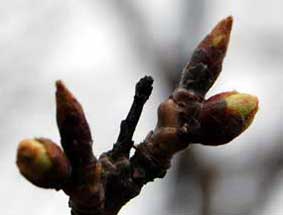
32,158
226,115
220,35
43,163
244,104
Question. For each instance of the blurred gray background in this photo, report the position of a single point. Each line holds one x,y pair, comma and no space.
100,49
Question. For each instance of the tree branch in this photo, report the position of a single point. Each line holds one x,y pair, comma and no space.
103,186
124,142
73,127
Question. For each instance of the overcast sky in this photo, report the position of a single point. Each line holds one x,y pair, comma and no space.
96,50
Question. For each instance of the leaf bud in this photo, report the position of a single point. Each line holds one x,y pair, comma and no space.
43,163
225,116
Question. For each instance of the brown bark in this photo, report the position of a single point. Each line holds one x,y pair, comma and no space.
102,186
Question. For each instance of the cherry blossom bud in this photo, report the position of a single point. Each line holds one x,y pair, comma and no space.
225,116
43,163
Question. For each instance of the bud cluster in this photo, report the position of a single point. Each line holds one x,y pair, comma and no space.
187,117
104,185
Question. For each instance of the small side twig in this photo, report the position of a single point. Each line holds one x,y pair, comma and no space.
102,186
124,142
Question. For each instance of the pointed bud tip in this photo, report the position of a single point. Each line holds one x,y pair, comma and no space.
59,84
206,62
224,26
220,35
63,95
73,127
43,163
61,88
227,22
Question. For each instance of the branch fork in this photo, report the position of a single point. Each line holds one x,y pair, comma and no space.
101,186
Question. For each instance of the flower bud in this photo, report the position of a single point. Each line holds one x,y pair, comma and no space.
206,62
73,127
225,116
43,163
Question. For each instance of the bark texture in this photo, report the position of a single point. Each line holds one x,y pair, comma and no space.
101,186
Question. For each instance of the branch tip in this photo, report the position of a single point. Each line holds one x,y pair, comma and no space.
144,87
124,142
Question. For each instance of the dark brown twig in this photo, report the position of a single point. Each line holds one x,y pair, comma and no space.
102,186
124,142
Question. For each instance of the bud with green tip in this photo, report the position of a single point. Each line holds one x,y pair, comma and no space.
225,116
43,163
206,62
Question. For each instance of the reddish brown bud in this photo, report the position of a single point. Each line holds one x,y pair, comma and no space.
219,36
43,163
225,116
73,127
206,62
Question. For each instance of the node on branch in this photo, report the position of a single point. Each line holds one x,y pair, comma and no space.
101,186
